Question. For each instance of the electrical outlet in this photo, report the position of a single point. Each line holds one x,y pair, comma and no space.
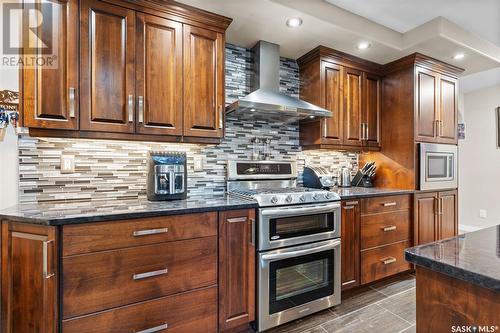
198,163
67,164
483,213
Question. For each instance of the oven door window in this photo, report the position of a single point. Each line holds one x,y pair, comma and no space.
300,280
295,226
439,167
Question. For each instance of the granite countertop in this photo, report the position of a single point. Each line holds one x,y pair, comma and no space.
473,257
360,192
54,214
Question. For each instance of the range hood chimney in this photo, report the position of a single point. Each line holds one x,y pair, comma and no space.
267,100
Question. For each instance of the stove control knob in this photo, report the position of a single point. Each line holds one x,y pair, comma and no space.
316,196
302,198
274,200
289,199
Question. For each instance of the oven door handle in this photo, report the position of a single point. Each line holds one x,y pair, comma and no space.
281,212
290,254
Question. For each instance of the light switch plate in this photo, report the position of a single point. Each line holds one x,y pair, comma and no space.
198,164
483,213
67,164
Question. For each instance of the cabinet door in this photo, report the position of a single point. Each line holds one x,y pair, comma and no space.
448,112
49,94
159,75
426,105
29,278
371,114
332,82
350,236
353,81
203,82
426,218
107,52
236,269
448,213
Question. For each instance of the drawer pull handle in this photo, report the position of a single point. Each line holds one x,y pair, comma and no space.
389,260
389,228
141,109
237,219
150,274
150,232
131,108
71,97
389,204
45,260
351,203
348,207
154,329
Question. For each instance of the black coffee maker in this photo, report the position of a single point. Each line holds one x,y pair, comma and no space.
167,176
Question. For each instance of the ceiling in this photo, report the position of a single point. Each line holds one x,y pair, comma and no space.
394,28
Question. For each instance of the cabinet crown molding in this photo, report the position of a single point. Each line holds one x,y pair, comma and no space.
418,59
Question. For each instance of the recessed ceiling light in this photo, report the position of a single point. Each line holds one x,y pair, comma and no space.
294,22
363,45
252,110
459,56
312,117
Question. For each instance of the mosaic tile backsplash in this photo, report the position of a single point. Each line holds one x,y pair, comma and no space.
117,169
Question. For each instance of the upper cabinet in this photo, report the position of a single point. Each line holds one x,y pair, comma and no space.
50,95
349,87
203,82
436,107
107,54
159,76
146,72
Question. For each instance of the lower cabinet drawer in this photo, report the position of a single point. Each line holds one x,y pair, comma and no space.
103,280
191,312
383,261
386,228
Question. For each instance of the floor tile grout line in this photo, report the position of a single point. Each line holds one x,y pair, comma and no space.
397,315
404,329
396,294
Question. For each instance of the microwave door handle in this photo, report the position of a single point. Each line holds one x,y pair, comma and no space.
171,183
295,253
301,211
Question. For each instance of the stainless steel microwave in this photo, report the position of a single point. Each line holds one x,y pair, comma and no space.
438,166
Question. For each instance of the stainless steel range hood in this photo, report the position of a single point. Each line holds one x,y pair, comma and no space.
267,100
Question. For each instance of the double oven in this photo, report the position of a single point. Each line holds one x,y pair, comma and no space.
298,261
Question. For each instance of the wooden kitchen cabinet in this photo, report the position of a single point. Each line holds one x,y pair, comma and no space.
49,95
29,278
436,107
353,86
350,236
159,76
349,87
107,55
144,71
236,270
203,82
436,216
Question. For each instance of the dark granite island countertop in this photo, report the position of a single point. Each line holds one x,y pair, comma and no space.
473,257
54,214
363,192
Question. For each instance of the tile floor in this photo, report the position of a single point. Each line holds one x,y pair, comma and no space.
384,307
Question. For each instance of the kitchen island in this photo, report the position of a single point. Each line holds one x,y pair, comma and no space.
458,283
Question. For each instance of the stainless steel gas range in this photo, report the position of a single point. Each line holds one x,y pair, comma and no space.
298,237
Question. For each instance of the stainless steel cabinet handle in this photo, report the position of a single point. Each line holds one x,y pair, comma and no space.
389,204
348,207
141,109
389,228
71,98
351,203
131,108
237,219
154,329
252,228
388,260
325,129
367,129
45,260
221,117
150,274
150,232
